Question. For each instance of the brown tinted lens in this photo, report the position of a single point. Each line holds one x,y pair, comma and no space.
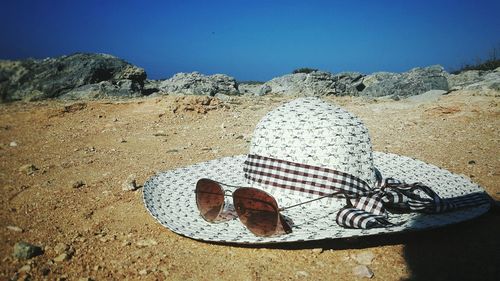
257,210
209,198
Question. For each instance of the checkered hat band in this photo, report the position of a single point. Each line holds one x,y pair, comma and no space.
301,177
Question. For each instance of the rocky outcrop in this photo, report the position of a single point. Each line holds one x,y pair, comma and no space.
196,83
317,83
250,88
475,80
104,89
413,82
56,77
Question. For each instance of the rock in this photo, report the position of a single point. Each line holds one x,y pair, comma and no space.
25,268
146,243
78,184
130,183
317,83
253,89
491,80
364,257
14,228
28,169
317,250
61,248
53,77
362,271
429,96
301,274
104,89
150,87
197,104
62,257
198,84
13,144
45,270
143,272
413,82
23,250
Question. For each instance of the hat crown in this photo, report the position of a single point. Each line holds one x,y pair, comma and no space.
313,132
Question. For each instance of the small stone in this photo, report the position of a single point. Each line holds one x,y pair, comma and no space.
14,228
122,140
61,248
62,257
239,137
115,119
78,184
362,271
13,144
45,270
206,149
143,272
317,250
160,134
146,243
23,250
25,268
172,150
472,162
130,183
365,257
28,169
301,274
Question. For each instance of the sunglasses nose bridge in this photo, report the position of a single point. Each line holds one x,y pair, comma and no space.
228,193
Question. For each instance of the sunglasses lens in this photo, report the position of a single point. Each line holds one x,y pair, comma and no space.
257,210
209,198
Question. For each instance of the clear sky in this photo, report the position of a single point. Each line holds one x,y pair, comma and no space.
255,40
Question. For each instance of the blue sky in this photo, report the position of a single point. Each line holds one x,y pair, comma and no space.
255,40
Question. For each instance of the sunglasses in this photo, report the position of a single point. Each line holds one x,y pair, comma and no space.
255,208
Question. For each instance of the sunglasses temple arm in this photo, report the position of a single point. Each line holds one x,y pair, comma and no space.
315,199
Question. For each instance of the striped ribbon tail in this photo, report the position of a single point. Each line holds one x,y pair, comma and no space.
371,211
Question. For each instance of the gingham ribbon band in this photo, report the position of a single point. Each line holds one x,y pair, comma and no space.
366,207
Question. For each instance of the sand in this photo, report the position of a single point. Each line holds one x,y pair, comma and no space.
102,143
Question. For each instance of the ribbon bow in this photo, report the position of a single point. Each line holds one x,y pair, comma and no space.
370,209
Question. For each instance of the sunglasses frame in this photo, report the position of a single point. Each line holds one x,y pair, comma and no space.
282,226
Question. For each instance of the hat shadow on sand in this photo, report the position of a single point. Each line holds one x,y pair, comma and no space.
468,250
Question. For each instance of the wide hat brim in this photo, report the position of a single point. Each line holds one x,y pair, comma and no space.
169,197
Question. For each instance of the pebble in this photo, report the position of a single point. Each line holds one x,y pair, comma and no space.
143,272
28,169
61,248
146,243
78,184
365,257
122,140
130,183
13,144
62,257
25,268
14,228
472,162
160,134
317,250
45,270
362,271
23,250
301,274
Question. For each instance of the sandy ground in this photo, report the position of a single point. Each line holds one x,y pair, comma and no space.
102,143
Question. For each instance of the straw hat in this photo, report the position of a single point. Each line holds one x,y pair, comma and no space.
305,149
